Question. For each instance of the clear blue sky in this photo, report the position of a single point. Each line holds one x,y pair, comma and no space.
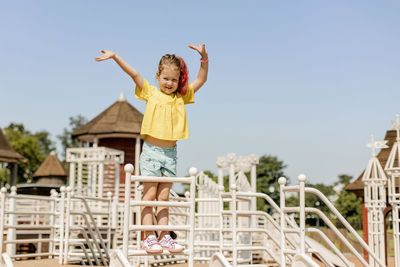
307,81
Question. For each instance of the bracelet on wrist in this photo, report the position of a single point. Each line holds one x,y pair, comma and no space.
203,60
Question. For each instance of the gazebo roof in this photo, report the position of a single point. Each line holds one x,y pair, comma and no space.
121,120
7,154
50,167
358,186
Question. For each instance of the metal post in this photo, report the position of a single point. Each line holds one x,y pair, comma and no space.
221,190
282,183
110,218
116,196
253,178
67,225
231,161
234,224
128,173
53,208
62,223
79,182
302,181
3,192
101,180
192,173
11,232
72,174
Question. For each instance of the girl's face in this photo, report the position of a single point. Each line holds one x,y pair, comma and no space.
169,79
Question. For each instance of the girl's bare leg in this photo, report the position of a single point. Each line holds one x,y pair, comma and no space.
149,194
162,213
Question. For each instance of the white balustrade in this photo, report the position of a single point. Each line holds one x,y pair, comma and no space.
130,205
27,219
302,210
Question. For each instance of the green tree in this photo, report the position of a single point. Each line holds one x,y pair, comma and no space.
269,170
65,138
312,200
4,174
46,144
34,147
348,203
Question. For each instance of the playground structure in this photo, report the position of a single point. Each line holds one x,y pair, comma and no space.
96,219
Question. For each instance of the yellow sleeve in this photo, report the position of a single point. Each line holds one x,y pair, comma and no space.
145,92
189,97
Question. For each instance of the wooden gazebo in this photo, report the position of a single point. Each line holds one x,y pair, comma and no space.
8,155
116,127
51,174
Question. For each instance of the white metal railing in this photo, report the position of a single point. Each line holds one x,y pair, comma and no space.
234,198
28,220
87,232
131,205
302,210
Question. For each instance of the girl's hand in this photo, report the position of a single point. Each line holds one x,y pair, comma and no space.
106,55
201,49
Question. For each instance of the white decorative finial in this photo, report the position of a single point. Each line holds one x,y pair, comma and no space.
376,144
121,97
253,159
221,162
302,178
231,158
396,126
192,171
128,168
282,180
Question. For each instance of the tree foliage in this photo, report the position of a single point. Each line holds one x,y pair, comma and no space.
348,203
4,174
65,138
269,170
33,146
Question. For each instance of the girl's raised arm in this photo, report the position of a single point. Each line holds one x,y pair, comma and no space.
202,76
137,78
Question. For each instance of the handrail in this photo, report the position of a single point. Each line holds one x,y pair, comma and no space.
344,222
6,260
94,224
82,229
330,244
83,232
301,189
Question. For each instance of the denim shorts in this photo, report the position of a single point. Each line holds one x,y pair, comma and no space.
156,161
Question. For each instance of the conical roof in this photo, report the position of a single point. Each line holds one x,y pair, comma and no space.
358,186
121,119
50,167
7,154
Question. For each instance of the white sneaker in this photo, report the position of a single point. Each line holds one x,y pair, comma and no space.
169,244
151,245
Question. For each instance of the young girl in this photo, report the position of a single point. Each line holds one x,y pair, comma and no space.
164,123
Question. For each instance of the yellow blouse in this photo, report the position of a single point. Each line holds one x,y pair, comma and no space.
165,115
